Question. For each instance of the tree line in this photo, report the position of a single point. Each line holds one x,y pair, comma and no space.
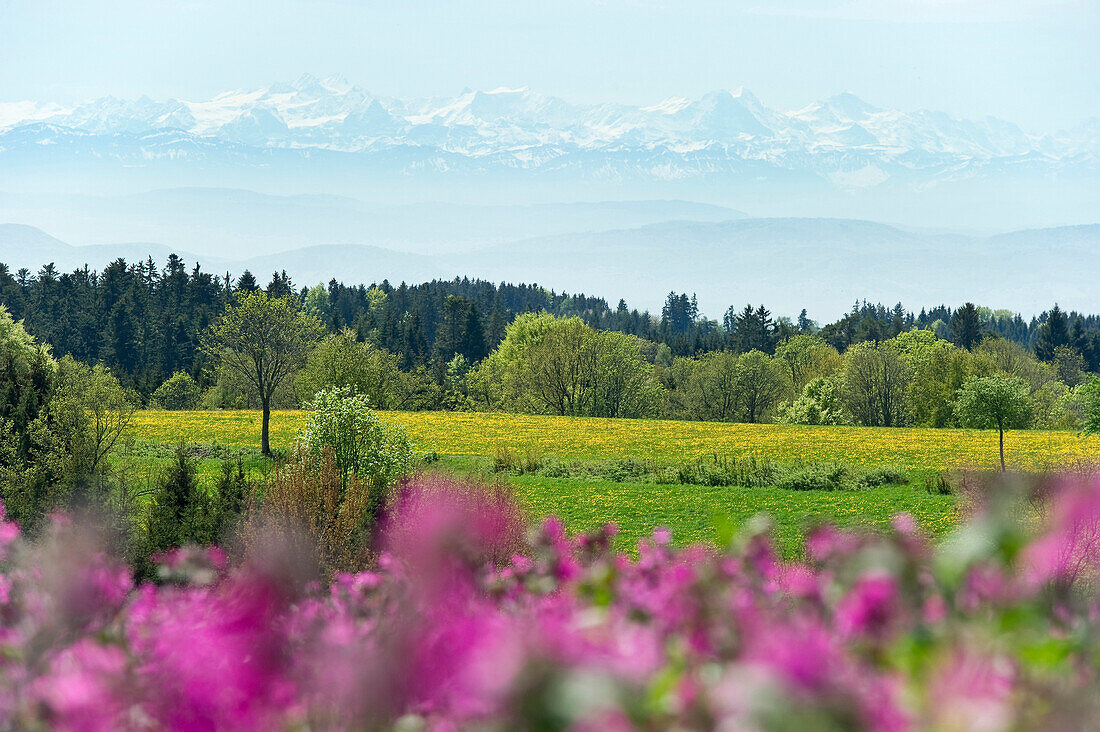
145,322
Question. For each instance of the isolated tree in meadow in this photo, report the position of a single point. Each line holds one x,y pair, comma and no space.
994,401
265,340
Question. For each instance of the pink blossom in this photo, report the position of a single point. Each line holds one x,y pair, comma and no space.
870,608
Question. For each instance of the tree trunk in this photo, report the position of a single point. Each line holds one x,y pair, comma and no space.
265,447
1002,434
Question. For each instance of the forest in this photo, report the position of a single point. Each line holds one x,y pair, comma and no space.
473,345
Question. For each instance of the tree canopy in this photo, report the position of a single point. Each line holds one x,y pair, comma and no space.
265,340
994,401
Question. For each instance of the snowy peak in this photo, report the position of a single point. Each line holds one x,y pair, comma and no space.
728,114
850,107
842,138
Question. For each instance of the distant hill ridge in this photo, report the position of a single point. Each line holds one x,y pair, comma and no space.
823,265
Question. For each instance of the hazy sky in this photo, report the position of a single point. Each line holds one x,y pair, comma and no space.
1036,62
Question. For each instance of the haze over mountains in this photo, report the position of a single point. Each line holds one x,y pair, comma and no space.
324,179
840,156
217,221
820,264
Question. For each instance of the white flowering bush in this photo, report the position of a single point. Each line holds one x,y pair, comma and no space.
377,453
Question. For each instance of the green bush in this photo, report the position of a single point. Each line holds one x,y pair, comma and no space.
714,470
507,460
816,477
178,392
616,471
230,496
889,475
710,470
376,453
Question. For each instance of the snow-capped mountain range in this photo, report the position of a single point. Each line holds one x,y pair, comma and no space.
843,138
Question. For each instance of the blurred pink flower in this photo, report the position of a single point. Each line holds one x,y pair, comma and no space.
870,608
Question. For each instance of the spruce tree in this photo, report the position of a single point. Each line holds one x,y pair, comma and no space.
1052,334
181,511
966,326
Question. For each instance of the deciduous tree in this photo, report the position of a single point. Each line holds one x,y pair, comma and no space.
994,401
875,381
266,340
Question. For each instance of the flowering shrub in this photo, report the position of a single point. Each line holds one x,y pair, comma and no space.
469,620
376,452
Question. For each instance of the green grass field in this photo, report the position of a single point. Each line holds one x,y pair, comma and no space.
700,513
693,512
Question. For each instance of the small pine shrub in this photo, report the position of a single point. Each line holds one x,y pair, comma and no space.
230,498
181,512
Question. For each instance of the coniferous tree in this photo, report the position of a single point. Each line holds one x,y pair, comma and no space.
805,325
246,283
966,326
451,334
473,337
1052,334
280,286
415,347
181,512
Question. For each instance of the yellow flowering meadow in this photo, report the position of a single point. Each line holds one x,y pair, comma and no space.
695,513
456,433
